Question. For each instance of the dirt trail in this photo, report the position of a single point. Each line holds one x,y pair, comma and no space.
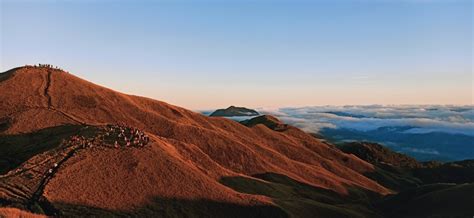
68,116
46,89
50,104
73,146
37,196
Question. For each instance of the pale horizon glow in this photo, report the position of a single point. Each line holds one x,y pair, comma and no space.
203,54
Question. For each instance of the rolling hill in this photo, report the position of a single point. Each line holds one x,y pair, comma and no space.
69,147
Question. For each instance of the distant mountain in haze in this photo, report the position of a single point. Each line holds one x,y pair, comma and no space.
427,146
233,111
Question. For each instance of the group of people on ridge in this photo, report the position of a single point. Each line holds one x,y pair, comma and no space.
50,66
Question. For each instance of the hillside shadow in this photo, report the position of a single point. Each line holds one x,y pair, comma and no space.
303,200
396,179
7,74
433,200
400,172
18,148
5,123
172,207
455,172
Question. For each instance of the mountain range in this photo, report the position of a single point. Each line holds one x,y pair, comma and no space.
69,147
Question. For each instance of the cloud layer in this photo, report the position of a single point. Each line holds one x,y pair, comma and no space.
421,119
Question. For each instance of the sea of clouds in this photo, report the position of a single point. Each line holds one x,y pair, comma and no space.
421,119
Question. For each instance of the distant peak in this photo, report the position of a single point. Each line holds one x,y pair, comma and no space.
234,111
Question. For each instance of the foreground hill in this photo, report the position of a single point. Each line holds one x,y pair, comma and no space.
427,189
58,158
433,200
269,121
399,171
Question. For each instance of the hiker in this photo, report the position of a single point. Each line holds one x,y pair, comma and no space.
147,139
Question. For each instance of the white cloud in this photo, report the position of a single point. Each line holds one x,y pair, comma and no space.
424,119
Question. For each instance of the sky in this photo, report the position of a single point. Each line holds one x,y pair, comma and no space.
203,54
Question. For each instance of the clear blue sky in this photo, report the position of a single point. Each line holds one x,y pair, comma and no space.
205,54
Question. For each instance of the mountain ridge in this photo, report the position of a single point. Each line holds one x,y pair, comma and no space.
187,157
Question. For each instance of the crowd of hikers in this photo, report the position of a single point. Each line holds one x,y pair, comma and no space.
116,136
112,136
127,136
50,66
